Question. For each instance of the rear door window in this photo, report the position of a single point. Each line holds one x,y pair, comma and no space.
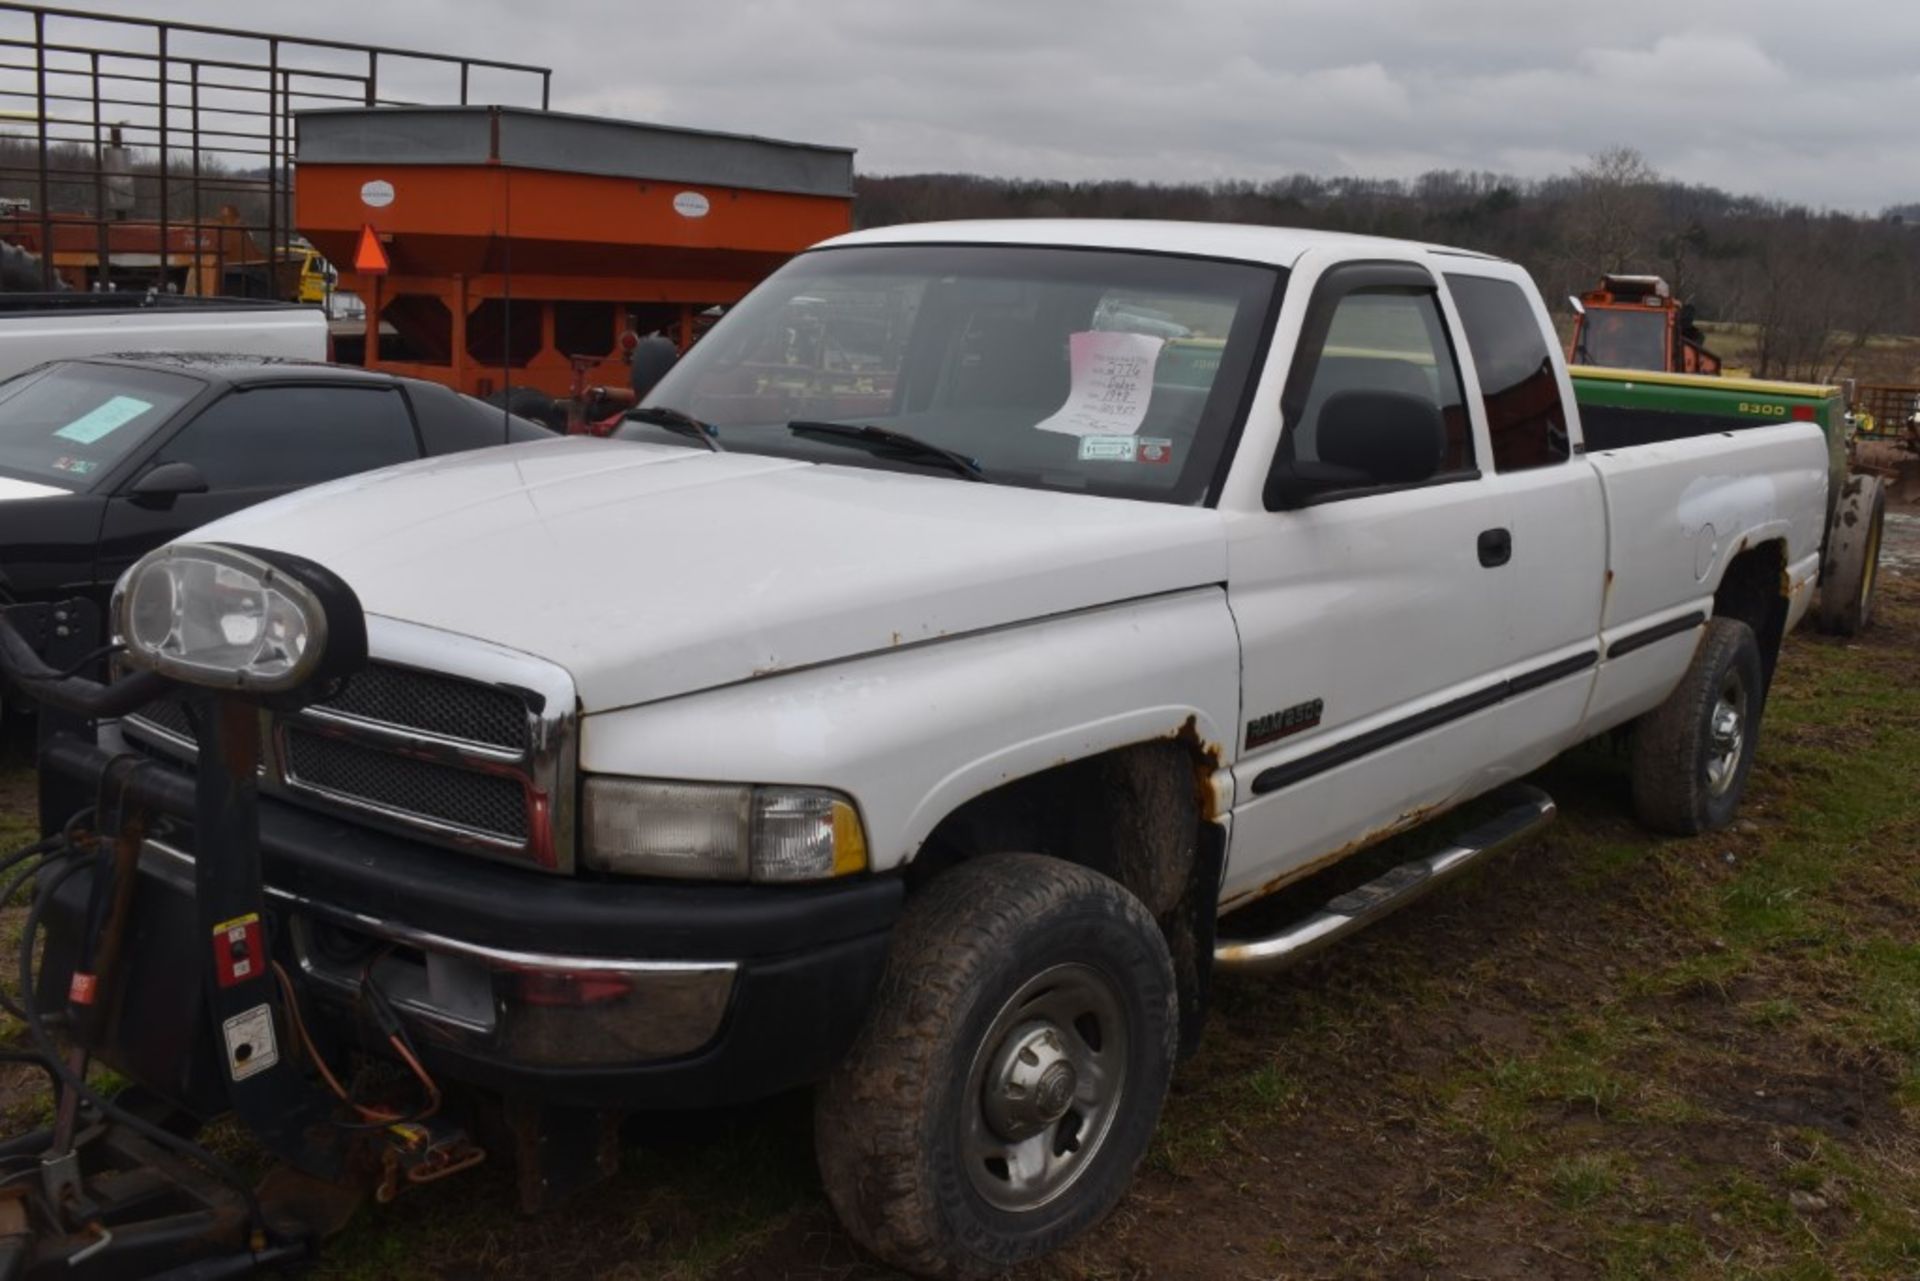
1525,417
287,437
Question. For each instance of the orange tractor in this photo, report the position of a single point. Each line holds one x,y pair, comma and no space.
1635,322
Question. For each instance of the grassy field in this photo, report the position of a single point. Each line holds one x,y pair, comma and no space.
1605,1056
1884,358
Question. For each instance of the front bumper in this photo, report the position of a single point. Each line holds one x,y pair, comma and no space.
609,994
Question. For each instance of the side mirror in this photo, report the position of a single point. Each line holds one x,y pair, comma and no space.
652,358
1366,438
1579,308
159,486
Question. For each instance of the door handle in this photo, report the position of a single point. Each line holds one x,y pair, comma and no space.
1496,547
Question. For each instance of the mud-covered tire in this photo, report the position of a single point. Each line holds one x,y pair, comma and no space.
985,962
1851,570
1685,778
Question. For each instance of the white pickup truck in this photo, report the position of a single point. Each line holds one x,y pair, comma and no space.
974,617
36,328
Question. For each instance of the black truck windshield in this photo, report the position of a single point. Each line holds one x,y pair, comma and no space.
69,424
1110,373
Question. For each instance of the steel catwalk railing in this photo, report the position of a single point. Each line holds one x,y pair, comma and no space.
67,64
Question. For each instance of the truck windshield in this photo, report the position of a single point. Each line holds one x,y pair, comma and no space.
1624,339
69,424
1120,374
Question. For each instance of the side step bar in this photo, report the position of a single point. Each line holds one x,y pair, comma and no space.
1528,811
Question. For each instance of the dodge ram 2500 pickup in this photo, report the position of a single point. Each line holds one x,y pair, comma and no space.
901,701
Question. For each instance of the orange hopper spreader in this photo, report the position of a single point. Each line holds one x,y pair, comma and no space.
497,247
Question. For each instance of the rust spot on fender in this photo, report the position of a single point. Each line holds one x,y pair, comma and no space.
1206,758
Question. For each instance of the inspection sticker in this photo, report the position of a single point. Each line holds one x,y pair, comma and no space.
1110,449
250,1046
104,419
1154,449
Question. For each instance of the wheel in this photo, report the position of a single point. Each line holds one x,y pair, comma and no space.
1010,1073
1852,565
1692,754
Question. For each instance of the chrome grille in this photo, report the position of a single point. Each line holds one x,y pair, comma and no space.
490,804
448,740
434,705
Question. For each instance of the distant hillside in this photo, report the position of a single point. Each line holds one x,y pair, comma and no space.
1813,289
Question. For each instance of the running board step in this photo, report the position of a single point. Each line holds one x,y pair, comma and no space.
1528,810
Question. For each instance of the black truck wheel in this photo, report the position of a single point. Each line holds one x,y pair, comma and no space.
1692,754
1010,1073
1852,566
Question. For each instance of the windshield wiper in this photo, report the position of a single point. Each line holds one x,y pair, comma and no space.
675,421
885,442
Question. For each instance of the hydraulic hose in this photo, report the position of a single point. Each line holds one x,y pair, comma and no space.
51,688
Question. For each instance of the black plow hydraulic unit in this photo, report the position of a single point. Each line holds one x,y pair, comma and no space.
174,969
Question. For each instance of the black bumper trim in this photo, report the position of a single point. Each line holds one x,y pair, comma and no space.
808,958
359,870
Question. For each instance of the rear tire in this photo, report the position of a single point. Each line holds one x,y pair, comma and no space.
1010,1073
1692,754
1852,567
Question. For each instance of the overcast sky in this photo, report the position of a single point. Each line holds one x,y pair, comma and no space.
1818,103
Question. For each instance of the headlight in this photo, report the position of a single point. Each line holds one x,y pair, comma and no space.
231,619
714,831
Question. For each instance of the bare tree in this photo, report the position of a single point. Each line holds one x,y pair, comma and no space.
1613,222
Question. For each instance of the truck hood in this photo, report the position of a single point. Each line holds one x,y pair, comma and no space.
649,571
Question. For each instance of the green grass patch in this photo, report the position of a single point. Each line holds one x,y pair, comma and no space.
1580,1181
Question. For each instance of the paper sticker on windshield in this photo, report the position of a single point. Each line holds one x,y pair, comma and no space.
1112,384
103,420
74,466
1154,449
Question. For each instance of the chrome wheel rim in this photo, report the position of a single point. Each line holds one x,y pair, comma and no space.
1044,1088
1726,734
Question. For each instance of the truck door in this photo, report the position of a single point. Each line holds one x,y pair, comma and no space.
1556,522
1372,620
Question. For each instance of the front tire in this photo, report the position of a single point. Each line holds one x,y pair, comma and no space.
1692,754
1010,1073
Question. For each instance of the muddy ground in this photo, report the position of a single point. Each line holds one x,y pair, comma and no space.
1603,1056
